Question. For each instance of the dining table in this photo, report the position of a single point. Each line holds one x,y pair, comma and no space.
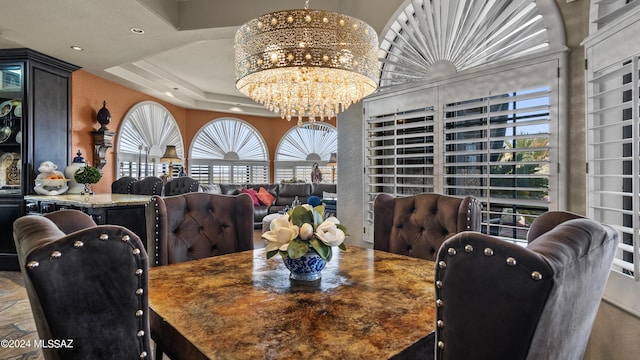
368,304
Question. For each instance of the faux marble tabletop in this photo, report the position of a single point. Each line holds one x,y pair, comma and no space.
93,201
368,305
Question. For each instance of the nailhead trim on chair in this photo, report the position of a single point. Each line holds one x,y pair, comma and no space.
469,206
510,261
156,256
33,265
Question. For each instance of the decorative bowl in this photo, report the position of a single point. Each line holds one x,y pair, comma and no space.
53,183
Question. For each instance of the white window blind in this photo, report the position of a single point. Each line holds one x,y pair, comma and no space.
235,173
613,142
613,149
495,136
400,154
497,149
200,173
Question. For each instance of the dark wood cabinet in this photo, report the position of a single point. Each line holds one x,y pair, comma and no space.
35,107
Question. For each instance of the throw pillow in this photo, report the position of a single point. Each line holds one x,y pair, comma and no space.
265,197
251,193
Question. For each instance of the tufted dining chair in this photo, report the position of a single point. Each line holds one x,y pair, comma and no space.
197,225
86,284
417,225
123,185
150,185
499,300
181,185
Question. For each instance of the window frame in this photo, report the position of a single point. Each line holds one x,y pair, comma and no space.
229,168
461,87
608,47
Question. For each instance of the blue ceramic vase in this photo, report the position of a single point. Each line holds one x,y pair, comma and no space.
306,268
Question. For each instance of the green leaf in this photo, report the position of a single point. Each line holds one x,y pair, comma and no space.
342,246
299,215
271,253
320,210
321,248
318,217
297,248
343,228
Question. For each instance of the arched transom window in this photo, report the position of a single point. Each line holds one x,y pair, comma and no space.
144,134
434,39
303,146
229,150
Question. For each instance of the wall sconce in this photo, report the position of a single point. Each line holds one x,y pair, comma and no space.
102,138
333,161
170,155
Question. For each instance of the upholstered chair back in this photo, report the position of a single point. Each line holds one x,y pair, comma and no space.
198,225
499,300
87,288
417,225
150,185
181,185
123,185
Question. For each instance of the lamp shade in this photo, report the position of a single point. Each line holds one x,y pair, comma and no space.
333,159
170,154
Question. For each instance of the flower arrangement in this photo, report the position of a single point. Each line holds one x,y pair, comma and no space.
304,228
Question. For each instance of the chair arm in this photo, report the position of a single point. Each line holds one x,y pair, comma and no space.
548,221
69,220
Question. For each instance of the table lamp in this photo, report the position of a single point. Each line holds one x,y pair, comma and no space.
170,155
333,161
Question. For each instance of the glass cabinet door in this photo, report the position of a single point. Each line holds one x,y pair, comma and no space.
11,98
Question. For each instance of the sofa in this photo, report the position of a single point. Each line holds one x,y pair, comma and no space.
272,198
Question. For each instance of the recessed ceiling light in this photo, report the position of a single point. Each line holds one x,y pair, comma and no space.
76,48
235,109
137,31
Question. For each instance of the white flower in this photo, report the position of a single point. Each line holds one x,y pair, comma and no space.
306,231
329,233
280,234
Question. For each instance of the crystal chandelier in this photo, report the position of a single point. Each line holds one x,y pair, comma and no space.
306,63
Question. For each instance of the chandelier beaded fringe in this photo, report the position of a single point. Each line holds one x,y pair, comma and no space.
306,63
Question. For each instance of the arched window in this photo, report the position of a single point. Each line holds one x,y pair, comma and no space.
303,146
229,151
471,104
144,134
430,40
